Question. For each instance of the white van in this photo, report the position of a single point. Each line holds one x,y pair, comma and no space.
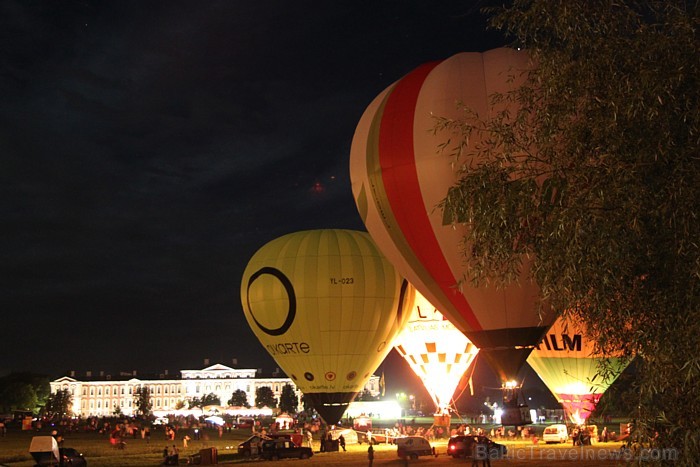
555,434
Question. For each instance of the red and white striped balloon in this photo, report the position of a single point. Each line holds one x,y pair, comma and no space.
399,178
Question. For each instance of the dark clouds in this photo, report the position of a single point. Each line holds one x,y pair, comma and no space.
149,148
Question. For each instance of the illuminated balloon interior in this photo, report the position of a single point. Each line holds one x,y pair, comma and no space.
438,352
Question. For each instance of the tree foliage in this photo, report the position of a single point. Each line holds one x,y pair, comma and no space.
59,404
23,391
289,402
142,401
264,397
592,168
206,399
210,399
239,398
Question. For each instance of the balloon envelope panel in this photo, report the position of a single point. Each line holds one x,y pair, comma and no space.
399,178
436,351
326,305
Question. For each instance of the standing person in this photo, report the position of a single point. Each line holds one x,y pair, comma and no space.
341,440
310,438
174,455
370,455
185,440
480,452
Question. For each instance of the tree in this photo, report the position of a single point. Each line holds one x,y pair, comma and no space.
207,399
23,391
239,398
289,402
195,402
142,401
264,397
16,395
59,404
210,399
593,171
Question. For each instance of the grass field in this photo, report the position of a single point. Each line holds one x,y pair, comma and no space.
99,453
14,448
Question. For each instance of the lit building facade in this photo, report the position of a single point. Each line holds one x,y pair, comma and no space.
102,397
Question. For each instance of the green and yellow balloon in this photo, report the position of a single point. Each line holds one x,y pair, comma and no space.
327,305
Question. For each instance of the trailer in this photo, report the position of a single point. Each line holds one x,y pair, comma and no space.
44,450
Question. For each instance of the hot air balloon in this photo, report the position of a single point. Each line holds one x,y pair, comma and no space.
436,351
398,180
567,364
326,304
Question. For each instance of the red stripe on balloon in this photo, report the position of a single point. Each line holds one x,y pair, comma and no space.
400,178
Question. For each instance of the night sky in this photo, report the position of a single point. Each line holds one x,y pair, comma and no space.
150,148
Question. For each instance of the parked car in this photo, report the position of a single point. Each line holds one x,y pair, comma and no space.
555,434
463,446
281,448
250,446
72,457
412,447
